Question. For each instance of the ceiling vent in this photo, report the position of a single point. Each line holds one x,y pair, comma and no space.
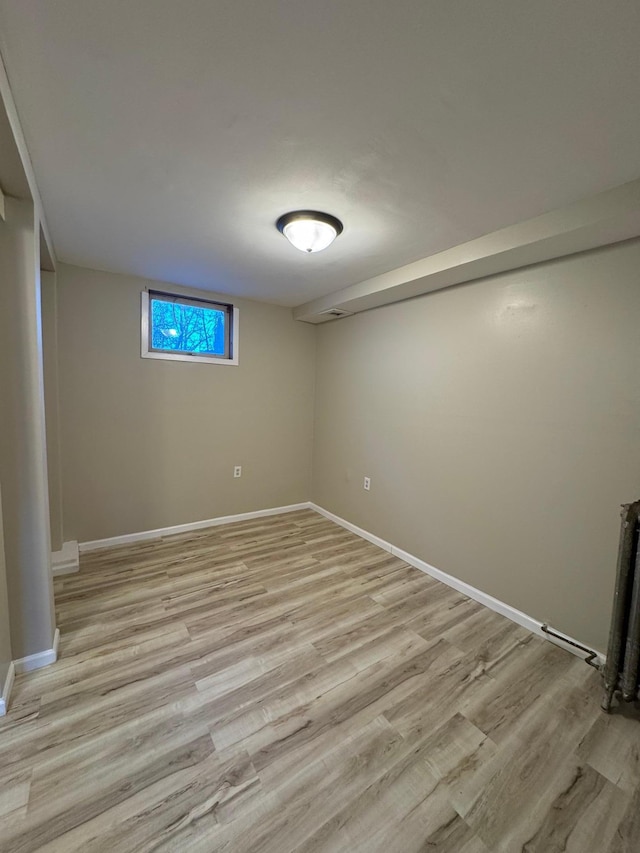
335,312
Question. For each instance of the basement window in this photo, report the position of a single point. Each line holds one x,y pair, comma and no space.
184,328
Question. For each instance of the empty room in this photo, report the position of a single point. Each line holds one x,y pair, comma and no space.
319,426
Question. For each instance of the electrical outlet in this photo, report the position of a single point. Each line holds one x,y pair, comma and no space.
367,484
237,471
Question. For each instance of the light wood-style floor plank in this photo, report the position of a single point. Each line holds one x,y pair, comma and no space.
281,686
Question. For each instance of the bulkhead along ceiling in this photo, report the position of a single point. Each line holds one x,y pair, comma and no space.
168,136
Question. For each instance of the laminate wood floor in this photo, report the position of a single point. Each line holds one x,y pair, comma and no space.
280,685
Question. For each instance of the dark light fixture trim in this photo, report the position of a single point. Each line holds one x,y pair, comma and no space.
309,230
316,215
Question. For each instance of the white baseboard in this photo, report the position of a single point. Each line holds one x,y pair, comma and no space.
39,659
6,689
66,561
517,616
359,531
512,613
128,538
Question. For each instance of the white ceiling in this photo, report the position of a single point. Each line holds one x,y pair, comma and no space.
167,136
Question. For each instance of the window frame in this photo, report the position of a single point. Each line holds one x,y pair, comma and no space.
231,331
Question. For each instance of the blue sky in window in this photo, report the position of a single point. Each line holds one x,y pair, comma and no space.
187,328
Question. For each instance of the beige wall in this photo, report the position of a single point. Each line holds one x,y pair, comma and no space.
5,634
23,463
50,350
149,443
500,424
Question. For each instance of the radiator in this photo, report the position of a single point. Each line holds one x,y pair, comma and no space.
621,670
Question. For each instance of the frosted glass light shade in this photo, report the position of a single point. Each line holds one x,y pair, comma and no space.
308,230
309,235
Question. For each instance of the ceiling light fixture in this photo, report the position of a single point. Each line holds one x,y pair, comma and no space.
309,230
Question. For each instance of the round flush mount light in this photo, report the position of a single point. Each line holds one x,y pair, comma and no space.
309,230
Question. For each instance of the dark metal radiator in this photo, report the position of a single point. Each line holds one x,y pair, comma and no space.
622,668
